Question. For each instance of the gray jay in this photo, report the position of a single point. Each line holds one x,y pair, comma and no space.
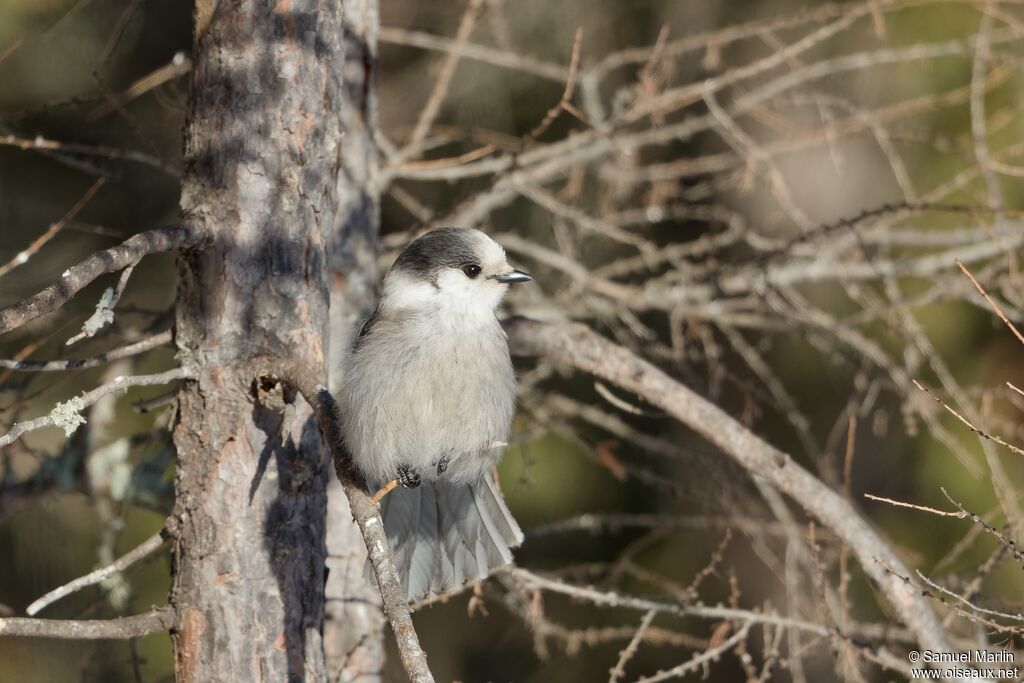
427,399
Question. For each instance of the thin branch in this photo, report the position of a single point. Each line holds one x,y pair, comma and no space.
433,106
149,546
977,430
1008,543
81,364
40,143
993,304
28,252
579,347
565,102
67,415
912,506
700,660
126,254
104,313
970,605
481,53
156,620
619,670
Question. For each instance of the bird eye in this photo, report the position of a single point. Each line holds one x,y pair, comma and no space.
471,271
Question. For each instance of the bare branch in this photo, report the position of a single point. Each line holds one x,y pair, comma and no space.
66,415
135,349
150,545
154,621
912,506
433,105
970,425
25,254
619,670
40,143
579,347
482,53
126,254
700,660
993,304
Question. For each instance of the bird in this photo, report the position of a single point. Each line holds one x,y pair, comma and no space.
427,399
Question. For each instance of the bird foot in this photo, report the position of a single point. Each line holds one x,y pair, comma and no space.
408,476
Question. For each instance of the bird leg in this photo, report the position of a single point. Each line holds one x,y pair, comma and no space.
384,490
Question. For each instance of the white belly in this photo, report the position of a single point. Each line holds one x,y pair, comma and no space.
414,395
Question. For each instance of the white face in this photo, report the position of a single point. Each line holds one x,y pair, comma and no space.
458,293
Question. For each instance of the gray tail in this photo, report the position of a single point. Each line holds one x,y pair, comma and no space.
445,535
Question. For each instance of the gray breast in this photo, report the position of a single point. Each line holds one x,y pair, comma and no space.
414,397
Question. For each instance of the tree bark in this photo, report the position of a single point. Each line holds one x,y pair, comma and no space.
262,153
354,618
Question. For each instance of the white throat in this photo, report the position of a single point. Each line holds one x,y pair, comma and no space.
455,301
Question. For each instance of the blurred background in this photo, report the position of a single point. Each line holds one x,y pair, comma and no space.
764,199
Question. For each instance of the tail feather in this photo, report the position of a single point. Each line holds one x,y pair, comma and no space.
445,535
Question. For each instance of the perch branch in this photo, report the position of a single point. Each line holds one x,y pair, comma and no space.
577,346
364,510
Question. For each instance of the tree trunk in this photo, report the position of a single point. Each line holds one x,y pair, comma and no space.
262,152
354,619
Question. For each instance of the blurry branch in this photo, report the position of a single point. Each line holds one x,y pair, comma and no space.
68,416
579,347
614,522
716,39
126,254
685,95
118,31
993,304
979,127
523,580
619,670
147,547
433,106
156,620
482,53
179,65
365,512
41,143
28,252
698,661
135,349
565,101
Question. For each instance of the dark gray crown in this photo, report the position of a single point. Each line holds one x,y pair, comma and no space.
443,248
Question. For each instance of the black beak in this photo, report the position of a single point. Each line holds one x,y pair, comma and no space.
513,277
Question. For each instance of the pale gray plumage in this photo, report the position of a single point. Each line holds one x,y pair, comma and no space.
429,386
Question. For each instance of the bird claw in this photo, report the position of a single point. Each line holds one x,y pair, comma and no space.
408,476
442,464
